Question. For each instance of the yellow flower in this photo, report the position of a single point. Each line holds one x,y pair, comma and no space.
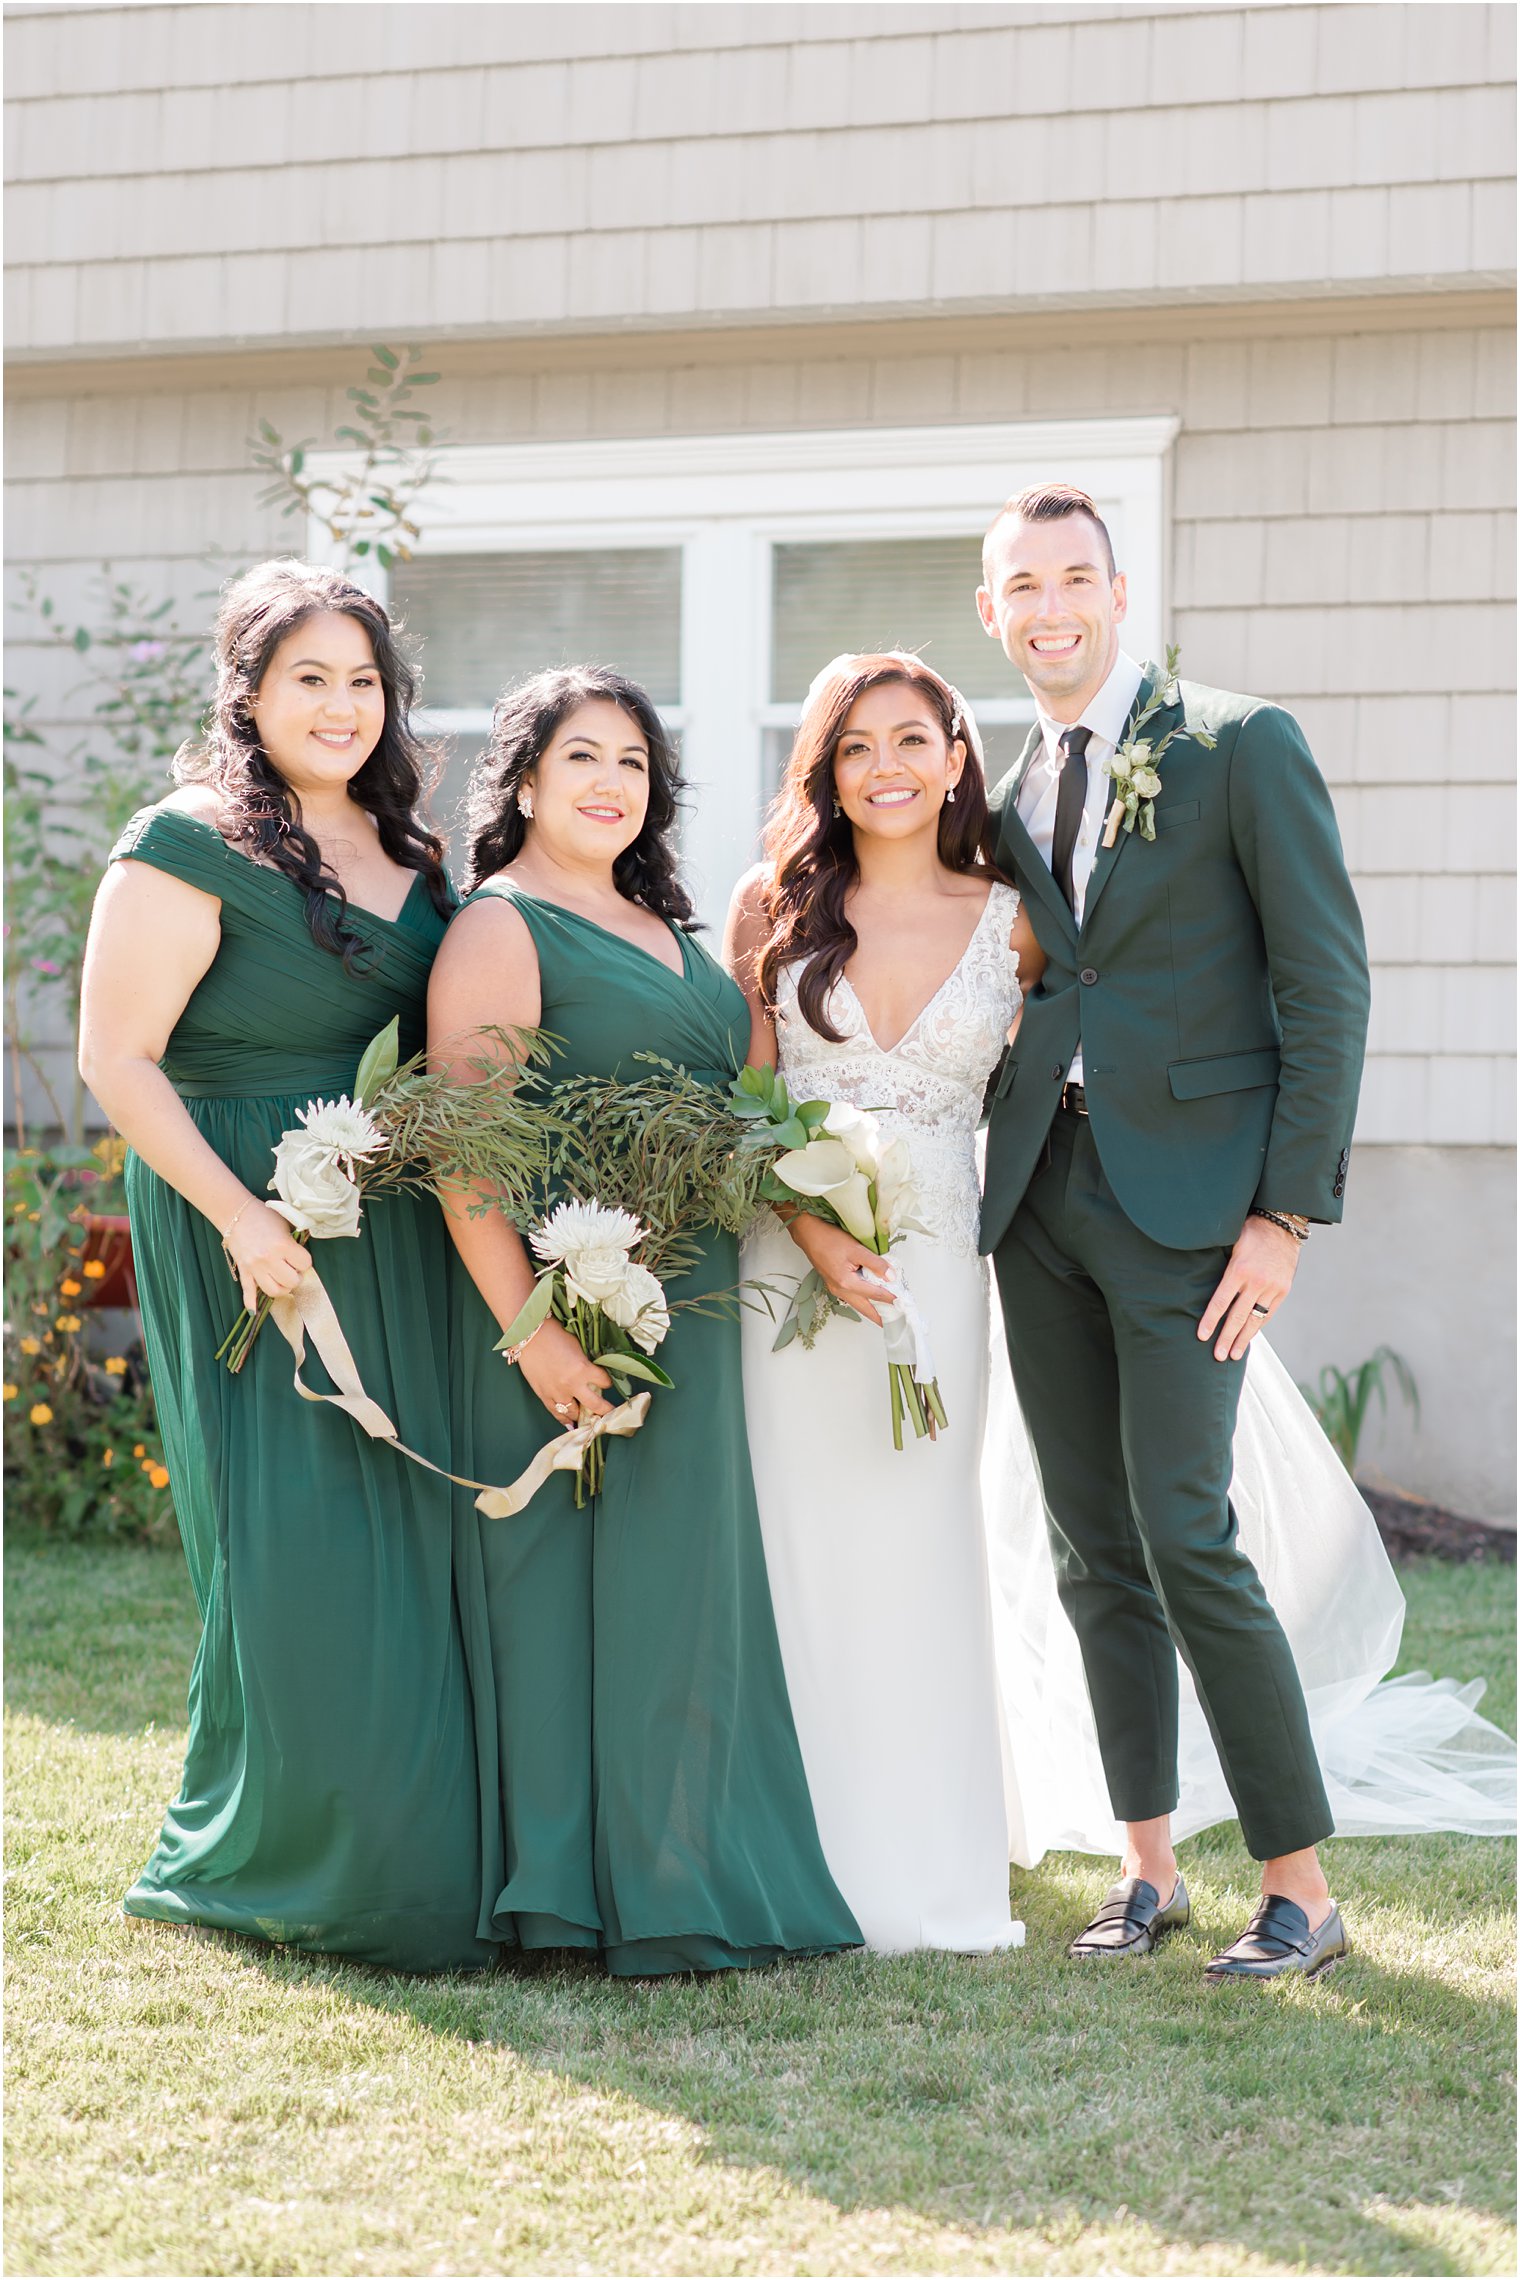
68,1322
158,1476
95,1269
108,1456
40,1413
70,1289
146,1465
139,1450
11,1392
31,1345
116,1365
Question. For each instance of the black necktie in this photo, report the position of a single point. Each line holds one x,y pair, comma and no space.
1071,798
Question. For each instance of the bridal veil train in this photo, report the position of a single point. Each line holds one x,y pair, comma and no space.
1399,1756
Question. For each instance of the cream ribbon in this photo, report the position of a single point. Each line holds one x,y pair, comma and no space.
307,1311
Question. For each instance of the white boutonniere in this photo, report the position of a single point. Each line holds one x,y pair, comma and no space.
1134,766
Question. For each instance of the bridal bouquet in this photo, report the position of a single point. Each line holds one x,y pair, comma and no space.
832,1159
611,1304
402,1128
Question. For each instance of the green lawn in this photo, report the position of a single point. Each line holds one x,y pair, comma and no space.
191,2105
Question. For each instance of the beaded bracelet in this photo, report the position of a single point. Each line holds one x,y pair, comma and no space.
1280,1219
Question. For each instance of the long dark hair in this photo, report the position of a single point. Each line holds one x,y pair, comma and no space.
810,850
261,813
524,724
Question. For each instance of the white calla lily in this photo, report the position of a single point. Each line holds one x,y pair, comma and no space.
857,1131
826,1169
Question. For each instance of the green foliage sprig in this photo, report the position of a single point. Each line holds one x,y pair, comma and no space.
372,508
144,677
1344,1398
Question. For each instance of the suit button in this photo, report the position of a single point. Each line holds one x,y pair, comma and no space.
1089,974
1339,1188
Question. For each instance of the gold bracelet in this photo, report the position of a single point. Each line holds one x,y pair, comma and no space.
236,1216
516,1353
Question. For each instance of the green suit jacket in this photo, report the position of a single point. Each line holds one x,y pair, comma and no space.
1218,985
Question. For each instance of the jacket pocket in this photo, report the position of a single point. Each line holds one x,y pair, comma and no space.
1179,811
1224,1072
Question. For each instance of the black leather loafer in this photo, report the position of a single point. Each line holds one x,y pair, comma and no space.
1278,1939
1132,1920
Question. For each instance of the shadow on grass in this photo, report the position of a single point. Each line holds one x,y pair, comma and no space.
1024,2091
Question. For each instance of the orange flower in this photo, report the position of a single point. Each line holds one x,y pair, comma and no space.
108,1456
116,1365
139,1450
158,1476
31,1345
11,1392
146,1465
70,1289
68,1323
95,1269
40,1413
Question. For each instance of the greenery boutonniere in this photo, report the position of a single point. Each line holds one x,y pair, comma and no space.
1134,767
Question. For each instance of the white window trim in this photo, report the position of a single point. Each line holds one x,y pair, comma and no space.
726,499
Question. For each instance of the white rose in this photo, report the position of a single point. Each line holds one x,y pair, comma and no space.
316,1194
597,1273
639,1308
1146,782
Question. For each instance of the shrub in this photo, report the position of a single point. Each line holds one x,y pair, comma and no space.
82,1449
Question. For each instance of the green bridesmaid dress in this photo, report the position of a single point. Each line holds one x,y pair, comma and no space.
331,1793
633,1719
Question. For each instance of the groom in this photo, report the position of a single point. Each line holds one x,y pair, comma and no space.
1176,1110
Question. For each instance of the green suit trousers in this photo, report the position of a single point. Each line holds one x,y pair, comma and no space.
1132,1421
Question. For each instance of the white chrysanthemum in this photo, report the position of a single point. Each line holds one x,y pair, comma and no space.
340,1125
575,1228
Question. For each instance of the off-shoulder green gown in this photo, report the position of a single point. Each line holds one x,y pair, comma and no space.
331,1794
634,1721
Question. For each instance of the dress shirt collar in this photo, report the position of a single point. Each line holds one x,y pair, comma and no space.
1107,713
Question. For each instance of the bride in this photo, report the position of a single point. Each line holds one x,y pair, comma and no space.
935,1681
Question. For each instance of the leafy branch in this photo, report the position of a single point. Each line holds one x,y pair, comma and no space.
370,510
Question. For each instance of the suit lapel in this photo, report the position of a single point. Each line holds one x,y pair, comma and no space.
1030,863
1159,723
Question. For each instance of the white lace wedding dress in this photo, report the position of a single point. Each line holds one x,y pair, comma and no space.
935,1680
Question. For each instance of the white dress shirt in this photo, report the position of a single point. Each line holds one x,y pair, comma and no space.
1105,716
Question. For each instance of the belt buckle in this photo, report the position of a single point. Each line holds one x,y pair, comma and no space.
1073,1105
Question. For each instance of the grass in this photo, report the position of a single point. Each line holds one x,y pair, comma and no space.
190,2104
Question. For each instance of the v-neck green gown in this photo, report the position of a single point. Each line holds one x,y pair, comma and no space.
331,1795
636,1737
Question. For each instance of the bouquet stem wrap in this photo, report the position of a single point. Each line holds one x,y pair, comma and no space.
307,1311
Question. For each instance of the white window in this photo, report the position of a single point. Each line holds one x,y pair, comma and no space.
723,570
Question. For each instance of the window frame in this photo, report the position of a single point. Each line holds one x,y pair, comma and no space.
726,500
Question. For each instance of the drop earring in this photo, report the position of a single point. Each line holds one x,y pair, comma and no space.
838,810
950,795
525,806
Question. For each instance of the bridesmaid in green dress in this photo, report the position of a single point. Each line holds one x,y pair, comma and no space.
633,1716
252,934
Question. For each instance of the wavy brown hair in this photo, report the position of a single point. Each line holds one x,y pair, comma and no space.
524,724
260,812
811,851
